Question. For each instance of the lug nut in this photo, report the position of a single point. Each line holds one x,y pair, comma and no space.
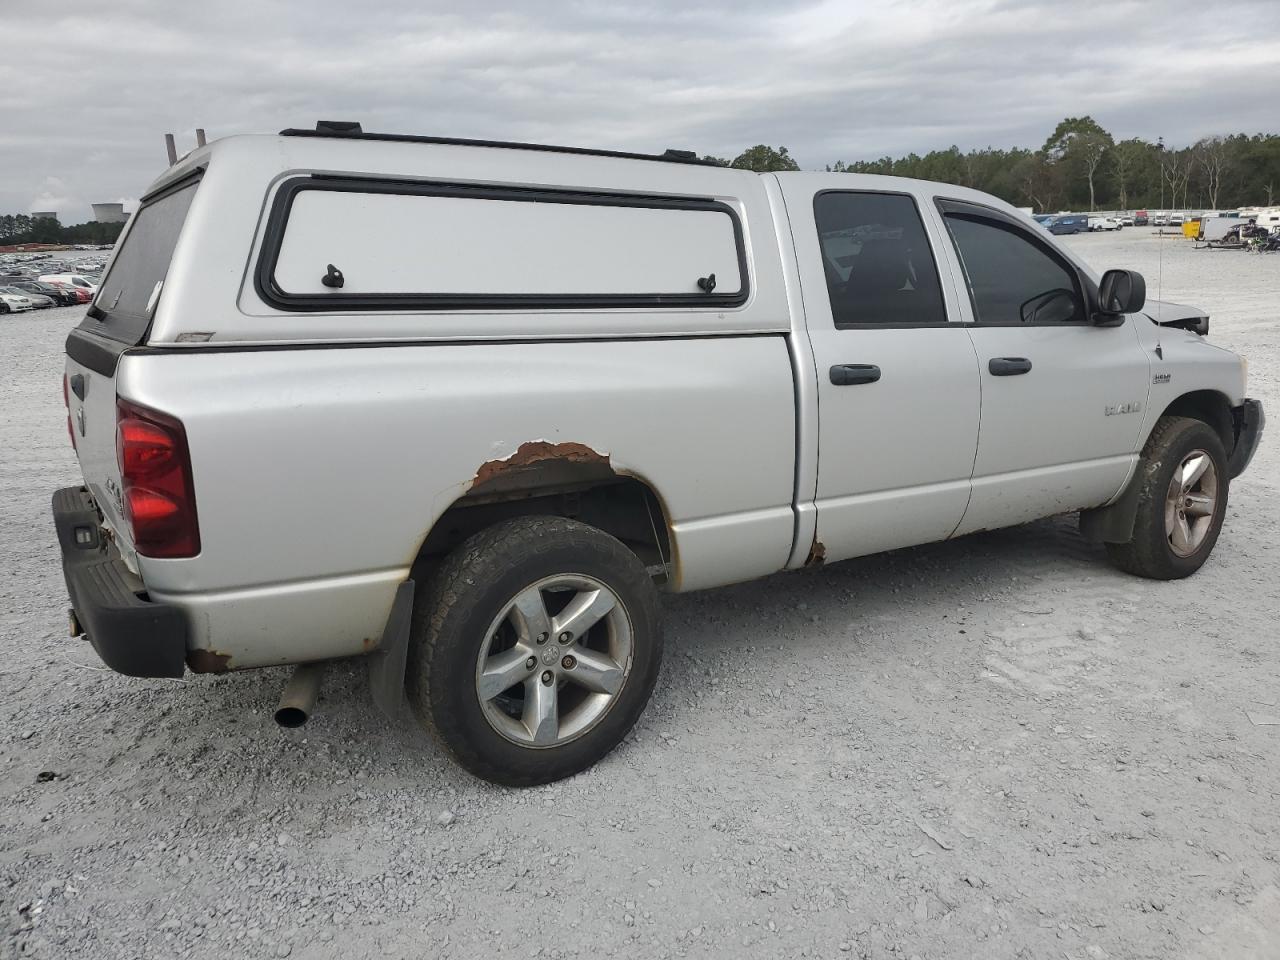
531,663
542,638
569,662
547,677
566,637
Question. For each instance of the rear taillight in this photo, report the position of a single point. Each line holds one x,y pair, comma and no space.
155,477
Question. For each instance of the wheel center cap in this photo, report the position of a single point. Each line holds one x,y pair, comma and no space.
550,656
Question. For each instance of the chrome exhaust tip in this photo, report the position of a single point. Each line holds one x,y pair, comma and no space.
300,693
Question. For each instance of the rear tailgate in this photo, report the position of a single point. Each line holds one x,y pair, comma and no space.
117,320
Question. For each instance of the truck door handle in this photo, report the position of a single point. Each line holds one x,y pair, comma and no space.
1008,366
848,374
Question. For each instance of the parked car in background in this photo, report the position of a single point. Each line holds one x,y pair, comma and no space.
1127,221
14,302
62,296
1140,219
74,279
1104,223
81,294
1069,223
38,300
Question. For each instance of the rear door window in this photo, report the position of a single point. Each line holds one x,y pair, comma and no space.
880,270
125,301
342,245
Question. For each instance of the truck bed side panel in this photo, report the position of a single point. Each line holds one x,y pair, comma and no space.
320,471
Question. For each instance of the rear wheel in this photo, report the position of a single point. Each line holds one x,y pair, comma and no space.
1182,501
535,650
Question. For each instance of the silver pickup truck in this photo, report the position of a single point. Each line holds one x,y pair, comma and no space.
466,408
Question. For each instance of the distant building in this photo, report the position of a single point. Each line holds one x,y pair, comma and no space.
109,213
44,215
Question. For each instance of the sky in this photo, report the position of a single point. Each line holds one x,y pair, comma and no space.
88,88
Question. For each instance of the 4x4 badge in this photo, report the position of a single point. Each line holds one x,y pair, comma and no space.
1162,378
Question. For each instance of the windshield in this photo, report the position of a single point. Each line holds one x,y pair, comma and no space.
122,309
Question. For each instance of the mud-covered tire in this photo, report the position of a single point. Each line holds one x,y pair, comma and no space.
1150,551
451,632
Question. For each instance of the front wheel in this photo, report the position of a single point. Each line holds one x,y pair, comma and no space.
1182,501
535,650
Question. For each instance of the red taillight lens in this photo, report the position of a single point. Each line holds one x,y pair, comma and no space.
155,476
144,448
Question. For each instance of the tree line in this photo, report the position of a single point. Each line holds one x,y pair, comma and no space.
1083,167
20,228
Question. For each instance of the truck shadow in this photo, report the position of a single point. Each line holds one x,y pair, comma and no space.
850,607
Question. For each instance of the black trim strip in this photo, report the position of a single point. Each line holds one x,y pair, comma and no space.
265,284
99,354
214,347
169,188
670,156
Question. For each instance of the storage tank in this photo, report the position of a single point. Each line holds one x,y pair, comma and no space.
109,213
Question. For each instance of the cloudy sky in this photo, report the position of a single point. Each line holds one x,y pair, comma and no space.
89,87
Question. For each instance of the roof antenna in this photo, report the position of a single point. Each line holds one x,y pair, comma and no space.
200,136
171,148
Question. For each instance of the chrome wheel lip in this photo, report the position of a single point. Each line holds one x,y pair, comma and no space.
613,662
1191,503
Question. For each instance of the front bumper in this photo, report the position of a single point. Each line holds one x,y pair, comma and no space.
1248,420
131,634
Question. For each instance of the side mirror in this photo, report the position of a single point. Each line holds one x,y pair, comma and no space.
1122,291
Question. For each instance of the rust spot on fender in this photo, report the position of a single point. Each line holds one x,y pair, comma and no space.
540,463
817,553
208,661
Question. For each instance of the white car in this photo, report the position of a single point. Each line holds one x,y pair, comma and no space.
1104,223
467,409
14,302
74,279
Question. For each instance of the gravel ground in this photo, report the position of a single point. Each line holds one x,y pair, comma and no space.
997,747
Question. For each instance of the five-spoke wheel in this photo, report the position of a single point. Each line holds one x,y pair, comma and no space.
1181,499
554,661
535,648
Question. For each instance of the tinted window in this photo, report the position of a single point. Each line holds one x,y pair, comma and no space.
1011,278
877,259
141,262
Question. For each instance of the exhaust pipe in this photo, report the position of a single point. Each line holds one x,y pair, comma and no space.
299,697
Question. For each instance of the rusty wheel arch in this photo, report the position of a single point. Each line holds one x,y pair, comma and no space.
564,478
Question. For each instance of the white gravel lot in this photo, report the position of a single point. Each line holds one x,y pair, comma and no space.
997,747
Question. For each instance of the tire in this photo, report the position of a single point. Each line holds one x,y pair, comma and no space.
467,631
1158,549
4,308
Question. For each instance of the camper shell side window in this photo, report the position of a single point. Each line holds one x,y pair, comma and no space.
338,244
